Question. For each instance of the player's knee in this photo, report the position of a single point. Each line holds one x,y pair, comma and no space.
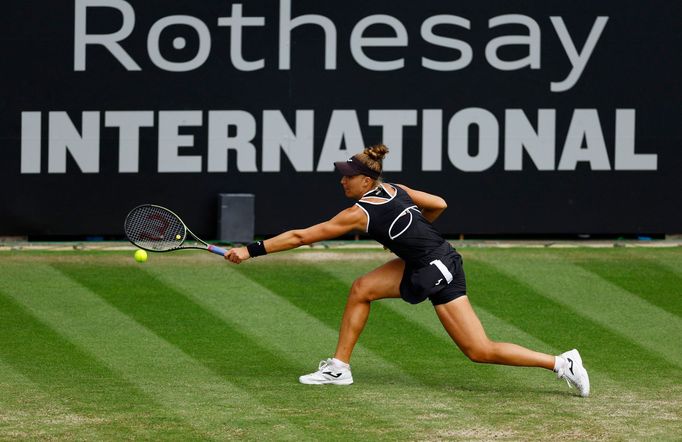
360,291
481,353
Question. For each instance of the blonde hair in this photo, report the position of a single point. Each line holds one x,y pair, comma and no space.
373,157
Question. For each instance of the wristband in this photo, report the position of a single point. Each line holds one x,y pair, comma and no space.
256,249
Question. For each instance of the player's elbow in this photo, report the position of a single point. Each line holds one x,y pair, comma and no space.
437,205
299,238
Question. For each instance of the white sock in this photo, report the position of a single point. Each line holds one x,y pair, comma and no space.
339,363
558,363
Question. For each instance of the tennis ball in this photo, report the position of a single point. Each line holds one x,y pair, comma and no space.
178,237
140,256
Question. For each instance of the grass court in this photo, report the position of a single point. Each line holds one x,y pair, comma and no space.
94,346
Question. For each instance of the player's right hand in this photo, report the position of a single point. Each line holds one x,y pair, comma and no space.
237,255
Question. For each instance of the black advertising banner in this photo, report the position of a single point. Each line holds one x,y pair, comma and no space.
527,117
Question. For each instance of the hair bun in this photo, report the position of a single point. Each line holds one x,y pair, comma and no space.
376,152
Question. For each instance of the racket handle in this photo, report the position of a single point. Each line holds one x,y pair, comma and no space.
217,250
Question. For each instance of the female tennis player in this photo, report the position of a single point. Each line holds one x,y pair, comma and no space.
427,267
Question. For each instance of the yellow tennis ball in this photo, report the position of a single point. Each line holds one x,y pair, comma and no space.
178,237
140,256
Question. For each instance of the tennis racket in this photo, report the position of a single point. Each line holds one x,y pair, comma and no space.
157,229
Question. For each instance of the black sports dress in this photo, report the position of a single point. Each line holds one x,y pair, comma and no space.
433,268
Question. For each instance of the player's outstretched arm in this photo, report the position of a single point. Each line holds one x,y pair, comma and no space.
346,221
431,205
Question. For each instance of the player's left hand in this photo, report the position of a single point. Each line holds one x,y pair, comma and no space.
237,255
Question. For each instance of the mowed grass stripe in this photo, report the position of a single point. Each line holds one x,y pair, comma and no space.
273,321
673,261
231,357
670,259
323,295
516,302
78,380
29,412
645,278
424,315
179,320
604,303
183,388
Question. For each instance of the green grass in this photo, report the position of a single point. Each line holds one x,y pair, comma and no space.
94,346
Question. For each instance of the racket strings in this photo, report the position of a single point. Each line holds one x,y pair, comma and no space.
154,228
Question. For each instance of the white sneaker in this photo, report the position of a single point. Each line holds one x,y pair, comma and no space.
328,373
574,373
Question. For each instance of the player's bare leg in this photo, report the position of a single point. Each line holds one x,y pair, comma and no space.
382,282
464,327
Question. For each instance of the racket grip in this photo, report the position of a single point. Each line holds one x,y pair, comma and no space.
217,250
